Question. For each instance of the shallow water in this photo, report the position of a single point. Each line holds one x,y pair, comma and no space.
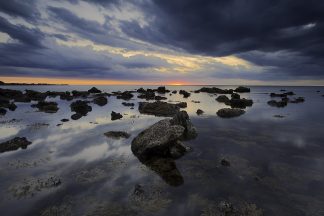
276,163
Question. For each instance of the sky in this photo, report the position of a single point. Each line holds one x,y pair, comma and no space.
228,42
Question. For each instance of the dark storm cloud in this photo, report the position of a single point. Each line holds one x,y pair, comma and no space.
27,36
20,8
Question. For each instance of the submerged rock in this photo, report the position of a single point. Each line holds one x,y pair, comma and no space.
242,89
230,112
81,107
275,103
14,144
47,107
298,100
184,93
76,116
199,112
100,101
117,134
116,116
158,108
94,90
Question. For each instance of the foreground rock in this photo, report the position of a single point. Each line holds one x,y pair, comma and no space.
100,101
230,112
158,108
116,116
163,138
47,107
14,144
81,107
117,134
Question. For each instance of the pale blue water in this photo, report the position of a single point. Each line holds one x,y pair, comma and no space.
276,163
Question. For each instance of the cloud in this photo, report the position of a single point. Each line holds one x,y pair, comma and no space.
17,8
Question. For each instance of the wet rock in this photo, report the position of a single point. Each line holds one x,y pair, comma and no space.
66,96
76,116
160,98
282,95
193,101
162,90
83,94
278,104
278,116
116,116
235,96
298,100
239,103
225,162
184,93
128,104
80,107
161,137
94,90
222,99
65,120
47,107
178,150
117,134
158,108
14,144
148,95
214,90
3,111
242,89
35,96
126,95
12,107
230,112
141,90
182,104
174,92
54,94
10,94
199,112
100,101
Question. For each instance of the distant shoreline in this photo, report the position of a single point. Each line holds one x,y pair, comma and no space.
29,84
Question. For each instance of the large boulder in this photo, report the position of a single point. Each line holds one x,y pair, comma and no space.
230,112
14,144
163,138
158,108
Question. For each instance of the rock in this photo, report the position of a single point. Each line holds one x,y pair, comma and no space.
182,104
222,99
126,95
174,92
178,150
230,112
115,116
242,89
76,116
83,94
3,111
12,107
162,90
67,96
193,101
149,94
199,112
22,99
164,136
184,93
214,90
81,107
35,96
14,144
47,107
160,98
239,103
117,134
182,118
158,108
275,103
141,90
65,120
235,96
225,162
128,104
94,90
100,101
282,95
298,100
10,94
278,116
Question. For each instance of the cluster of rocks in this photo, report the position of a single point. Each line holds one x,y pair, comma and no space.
159,108
81,108
284,99
14,144
47,107
235,101
215,90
